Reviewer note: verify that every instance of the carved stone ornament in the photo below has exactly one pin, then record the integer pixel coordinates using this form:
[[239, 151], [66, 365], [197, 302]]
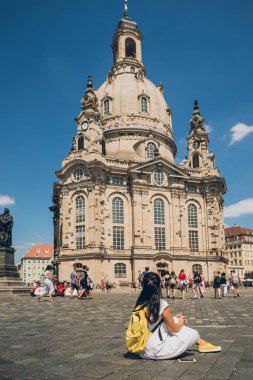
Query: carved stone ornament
[[140, 75]]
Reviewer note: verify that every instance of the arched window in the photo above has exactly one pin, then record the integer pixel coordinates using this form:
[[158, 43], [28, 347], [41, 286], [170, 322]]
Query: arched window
[[159, 217], [193, 225], [192, 216], [130, 48], [144, 104], [120, 270], [132, 69], [80, 209], [197, 268], [195, 160], [117, 210], [80, 144], [151, 147], [106, 107], [118, 218]]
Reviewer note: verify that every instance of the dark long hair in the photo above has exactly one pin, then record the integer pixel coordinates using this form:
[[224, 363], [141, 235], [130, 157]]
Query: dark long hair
[[150, 296]]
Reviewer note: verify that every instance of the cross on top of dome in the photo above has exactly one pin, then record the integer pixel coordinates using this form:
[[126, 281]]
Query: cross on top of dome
[[125, 9]]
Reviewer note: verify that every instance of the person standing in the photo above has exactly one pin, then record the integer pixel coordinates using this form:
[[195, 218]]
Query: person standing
[[143, 274], [73, 281], [173, 283], [167, 283], [235, 282], [223, 284], [216, 285], [182, 283], [84, 283], [48, 286], [196, 281]]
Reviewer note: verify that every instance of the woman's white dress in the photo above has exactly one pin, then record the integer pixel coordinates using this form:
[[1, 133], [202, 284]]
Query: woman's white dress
[[47, 284], [172, 344]]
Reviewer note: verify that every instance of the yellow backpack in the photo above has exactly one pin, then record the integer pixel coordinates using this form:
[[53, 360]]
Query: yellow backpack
[[137, 333]]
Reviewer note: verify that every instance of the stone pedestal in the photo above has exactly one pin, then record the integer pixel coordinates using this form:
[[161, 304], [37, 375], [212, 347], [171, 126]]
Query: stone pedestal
[[10, 281]]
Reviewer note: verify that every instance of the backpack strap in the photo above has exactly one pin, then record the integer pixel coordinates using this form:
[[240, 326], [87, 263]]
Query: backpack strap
[[159, 331]]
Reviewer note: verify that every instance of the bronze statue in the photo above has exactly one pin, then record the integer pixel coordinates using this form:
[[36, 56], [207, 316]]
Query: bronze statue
[[6, 224]]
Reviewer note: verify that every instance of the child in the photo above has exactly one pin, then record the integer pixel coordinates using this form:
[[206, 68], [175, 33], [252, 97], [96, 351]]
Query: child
[[172, 338]]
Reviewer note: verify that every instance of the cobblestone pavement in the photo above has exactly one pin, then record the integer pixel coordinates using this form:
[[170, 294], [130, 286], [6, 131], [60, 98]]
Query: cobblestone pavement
[[72, 339]]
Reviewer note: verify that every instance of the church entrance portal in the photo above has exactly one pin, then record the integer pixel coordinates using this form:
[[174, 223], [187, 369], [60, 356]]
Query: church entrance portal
[[162, 267]]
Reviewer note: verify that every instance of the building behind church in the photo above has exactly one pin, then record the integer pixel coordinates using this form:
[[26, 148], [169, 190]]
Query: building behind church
[[121, 202]]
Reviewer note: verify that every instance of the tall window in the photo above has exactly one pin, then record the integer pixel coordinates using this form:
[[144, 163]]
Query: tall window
[[151, 147], [193, 228], [159, 222], [80, 209], [197, 268], [103, 147], [144, 104], [195, 160], [130, 48], [106, 107], [80, 237], [117, 210], [80, 144], [159, 211], [120, 270], [118, 237], [118, 218], [192, 216], [193, 241]]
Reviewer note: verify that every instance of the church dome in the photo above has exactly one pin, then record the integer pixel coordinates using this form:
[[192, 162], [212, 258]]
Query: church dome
[[133, 110], [133, 101]]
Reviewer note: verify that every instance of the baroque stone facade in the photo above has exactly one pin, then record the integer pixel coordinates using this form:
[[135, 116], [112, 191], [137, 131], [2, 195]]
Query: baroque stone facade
[[121, 202]]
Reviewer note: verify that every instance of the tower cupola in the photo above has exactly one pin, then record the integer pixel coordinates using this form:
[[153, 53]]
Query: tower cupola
[[126, 44]]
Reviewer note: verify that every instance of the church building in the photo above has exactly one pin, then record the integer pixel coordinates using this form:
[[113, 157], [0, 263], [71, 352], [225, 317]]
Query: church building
[[121, 202]]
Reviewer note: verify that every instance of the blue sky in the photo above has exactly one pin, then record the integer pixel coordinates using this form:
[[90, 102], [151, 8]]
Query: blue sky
[[197, 48]]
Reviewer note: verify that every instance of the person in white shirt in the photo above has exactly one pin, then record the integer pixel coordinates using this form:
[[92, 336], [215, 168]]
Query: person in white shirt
[[48, 287], [172, 338]]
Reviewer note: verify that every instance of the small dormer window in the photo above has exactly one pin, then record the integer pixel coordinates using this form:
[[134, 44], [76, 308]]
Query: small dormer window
[[45, 255], [106, 107], [144, 104], [36, 254], [38, 250], [151, 148]]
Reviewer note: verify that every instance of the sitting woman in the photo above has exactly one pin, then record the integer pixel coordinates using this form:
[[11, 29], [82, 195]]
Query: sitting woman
[[172, 338]]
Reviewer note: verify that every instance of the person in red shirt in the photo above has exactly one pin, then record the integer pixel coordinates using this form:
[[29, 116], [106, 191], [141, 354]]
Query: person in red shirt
[[182, 283]]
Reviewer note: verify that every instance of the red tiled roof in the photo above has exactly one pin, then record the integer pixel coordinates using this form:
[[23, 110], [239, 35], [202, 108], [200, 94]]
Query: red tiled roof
[[237, 231], [39, 251]]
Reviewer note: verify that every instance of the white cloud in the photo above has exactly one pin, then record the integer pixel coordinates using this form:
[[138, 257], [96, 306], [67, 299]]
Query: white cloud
[[239, 132], [226, 225], [208, 128], [6, 200], [24, 244], [244, 207]]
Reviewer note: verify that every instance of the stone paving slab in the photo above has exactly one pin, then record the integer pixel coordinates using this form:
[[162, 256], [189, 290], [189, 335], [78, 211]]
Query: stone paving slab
[[72, 339]]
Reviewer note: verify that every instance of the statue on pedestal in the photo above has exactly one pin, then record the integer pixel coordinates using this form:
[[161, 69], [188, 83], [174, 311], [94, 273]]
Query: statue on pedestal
[[6, 224]]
